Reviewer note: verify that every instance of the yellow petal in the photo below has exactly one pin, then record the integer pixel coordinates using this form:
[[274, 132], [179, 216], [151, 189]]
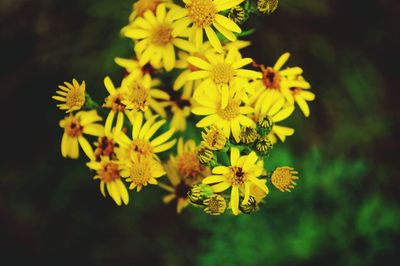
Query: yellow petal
[[227, 23], [235, 200]]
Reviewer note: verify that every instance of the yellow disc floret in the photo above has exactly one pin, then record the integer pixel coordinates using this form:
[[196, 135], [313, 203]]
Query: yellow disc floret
[[202, 12], [283, 178]]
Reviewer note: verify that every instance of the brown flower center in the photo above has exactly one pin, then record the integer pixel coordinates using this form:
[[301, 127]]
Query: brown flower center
[[73, 127], [188, 165], [142, 147], [271, 78], [109, 172], [237, 177]]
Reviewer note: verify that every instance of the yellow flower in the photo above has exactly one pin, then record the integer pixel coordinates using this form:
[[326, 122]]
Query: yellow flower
[[215, 205], [184, 171], [277, 112], [237, 14], [142, 142], [221, 72], [180, 105], [105, 147], [141, 171], [301, 96], [133, 95], [108, 171], [283, 178], [72, 96], [276, 83], [240, 175], [214, 138], [203, 15], [155, 40], [75, 126], [224, 110], [142, 95], [141, 6]]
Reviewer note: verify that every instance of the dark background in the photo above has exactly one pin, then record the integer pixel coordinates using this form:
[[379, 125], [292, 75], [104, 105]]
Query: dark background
[[345, 210]]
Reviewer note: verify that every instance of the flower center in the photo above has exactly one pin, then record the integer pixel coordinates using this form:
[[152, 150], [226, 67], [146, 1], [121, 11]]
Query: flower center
[[216, 204], [105, 147], [142, 6], [142, 147], [109, 172], [75, 98], [214, 138], [161, 35], [114, 102], [202, 12], [140, 173], [188, 165], [137, 95], [72, 127], [222, 73], [237, 177], [283, 178], [231, 111], [271, 78]]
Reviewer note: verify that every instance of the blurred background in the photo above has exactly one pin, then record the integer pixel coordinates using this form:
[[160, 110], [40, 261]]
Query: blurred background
[[345, 210]]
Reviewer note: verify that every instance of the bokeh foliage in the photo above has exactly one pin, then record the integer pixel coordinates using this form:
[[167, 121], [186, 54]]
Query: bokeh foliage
[[345, 210]]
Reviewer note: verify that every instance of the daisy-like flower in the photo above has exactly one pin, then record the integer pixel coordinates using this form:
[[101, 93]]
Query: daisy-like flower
[[275, 83], [184, 171], [302, 96], [133, 95], [141, 171], [239, 176], [155, 40], [283, 178], [221, 72], [142, 95], [108, 172], [142, 142], [277, 112], [72, 96], [83, 122], [203, 16], [228, 118]]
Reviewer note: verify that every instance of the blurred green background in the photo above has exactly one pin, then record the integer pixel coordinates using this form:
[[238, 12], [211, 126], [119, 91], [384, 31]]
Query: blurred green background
[[345, 210]]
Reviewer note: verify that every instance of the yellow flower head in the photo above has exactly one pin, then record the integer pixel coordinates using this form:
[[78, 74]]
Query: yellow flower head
[[183, 170], [283, 178], [142, 143], [72, 96], [141, 171], [240, 175], [205, 154], [108, 172], [214, 138], [83, 122], [277, 112], [155, 42], [221, 72], [223, 109], [200, 16], [215, 205], [276, 83]]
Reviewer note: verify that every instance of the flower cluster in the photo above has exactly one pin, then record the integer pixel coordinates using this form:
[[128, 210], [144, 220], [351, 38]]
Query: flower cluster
[[188, 69]]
